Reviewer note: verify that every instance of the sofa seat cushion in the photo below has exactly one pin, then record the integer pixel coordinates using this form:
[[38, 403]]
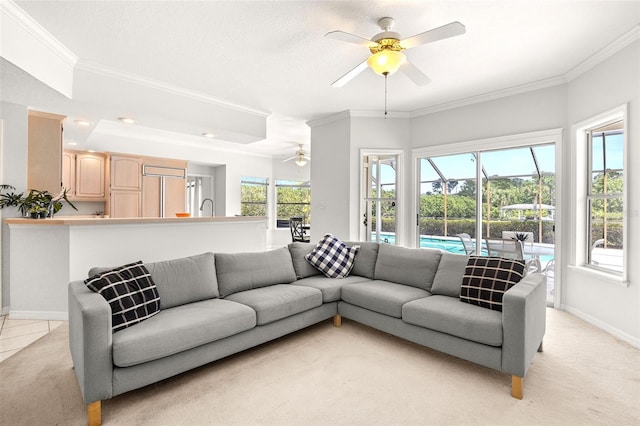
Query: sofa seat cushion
[[180, 328], [381, 296], [330, 288], [449, 315], [278, 301]]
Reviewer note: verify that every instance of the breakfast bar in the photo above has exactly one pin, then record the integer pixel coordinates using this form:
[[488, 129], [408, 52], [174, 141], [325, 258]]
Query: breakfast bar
[[46, 254]]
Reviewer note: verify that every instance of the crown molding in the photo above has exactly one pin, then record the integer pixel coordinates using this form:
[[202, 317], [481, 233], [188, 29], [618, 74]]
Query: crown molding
[[19, 16], [350, 113], [379, 114], [612, 48], [490, 96], [105, 71], [329, 118]]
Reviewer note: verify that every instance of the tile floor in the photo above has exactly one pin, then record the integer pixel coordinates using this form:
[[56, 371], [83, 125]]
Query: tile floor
[[18, 334]]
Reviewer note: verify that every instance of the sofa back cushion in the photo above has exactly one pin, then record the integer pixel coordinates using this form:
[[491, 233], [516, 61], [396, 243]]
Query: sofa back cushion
[[303, 268], [448, 279], [363, 266], [181, 281], [365, 263], [414, 267], [245, 271], [185, 280]]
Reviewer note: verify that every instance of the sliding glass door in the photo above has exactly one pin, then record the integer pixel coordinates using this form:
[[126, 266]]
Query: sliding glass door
[[447, 201], [516, 204]]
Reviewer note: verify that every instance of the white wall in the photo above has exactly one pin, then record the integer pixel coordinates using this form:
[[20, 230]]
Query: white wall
[[331, 177], [527, 112], [603, 302]]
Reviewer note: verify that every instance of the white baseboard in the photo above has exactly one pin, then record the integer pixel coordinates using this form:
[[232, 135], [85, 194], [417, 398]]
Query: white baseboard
[[39, 315], [633, 341]]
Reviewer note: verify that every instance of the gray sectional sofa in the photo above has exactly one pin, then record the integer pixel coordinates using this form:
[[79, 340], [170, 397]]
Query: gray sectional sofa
[[215, 305]]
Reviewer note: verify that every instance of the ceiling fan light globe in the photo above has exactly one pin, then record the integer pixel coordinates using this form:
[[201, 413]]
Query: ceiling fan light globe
[[386, 62], [301, 162]]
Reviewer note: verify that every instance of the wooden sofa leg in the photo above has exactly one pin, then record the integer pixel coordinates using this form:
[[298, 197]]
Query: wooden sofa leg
[[516, 386], [94, 413], [337, 320], [540, 347]]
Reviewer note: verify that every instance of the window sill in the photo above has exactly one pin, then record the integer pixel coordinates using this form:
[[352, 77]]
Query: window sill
[[609, 278]]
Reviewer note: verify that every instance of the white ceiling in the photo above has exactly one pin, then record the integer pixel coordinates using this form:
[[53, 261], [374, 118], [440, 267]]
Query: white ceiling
[[272, 56]]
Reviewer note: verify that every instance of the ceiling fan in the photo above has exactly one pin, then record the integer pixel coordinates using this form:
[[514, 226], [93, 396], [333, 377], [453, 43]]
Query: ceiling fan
[[301, 157], [386, 50]]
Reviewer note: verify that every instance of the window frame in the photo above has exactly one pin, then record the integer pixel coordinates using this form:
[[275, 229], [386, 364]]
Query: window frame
[[581, 170]]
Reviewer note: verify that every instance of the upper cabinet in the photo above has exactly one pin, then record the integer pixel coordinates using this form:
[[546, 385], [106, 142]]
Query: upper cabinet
[[44, 158], [126, 173], [83, 175]]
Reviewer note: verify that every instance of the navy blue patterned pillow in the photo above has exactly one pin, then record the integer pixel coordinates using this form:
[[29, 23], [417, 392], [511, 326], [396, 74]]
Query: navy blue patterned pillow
[[332, 257], [486, 279], [130, 291]]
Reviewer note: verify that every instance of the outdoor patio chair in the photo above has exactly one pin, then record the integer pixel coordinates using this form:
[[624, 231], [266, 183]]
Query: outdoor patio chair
[[511, 249], [467, 243], [298, 231], [596, 243], [504, 247]]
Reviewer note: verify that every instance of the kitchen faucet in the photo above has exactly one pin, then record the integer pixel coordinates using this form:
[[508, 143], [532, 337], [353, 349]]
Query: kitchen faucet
[[204, 201]]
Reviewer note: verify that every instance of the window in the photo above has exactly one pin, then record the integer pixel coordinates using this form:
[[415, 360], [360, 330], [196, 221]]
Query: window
[[293, 199], [605, 197], [253, 196]]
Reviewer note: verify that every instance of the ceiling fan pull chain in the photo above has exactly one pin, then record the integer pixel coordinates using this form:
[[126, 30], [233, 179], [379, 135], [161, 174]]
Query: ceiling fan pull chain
[[385, 95]]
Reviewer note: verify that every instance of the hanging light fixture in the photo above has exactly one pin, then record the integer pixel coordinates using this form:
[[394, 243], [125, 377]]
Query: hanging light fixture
[[386, 58], [301, 161], [386, 62]]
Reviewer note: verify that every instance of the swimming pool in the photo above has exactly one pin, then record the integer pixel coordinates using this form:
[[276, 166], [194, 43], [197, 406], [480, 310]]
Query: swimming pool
[[452, 245]]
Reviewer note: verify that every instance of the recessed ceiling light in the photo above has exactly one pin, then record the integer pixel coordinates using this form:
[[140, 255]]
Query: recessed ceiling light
[[83, 123], [127, 120], [209, 135], [71, 143]]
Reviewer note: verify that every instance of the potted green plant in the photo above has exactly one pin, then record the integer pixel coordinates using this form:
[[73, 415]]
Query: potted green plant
[[36, 204]]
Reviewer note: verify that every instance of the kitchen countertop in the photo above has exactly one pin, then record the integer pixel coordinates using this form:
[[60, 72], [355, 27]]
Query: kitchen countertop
[[95, 220]]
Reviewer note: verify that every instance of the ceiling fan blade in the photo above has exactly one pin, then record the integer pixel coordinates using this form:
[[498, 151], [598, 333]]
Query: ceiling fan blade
[[449, 30], [350, 75], [290, 158], [414, 74], [350, 38]]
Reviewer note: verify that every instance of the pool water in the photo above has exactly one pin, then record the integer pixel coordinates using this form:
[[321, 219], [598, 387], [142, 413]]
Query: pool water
[[447, 244], [451, 244]]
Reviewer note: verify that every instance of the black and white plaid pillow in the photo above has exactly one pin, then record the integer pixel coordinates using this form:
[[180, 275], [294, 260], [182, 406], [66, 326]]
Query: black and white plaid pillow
[[131, 293], [486, 279], [332, 257]]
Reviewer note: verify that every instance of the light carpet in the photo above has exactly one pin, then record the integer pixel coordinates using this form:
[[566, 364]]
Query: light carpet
[[353, 375]]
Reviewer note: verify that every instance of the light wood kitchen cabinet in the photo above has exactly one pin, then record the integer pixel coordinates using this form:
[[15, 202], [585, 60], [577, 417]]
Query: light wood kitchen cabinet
[[125, 195], [44, 156], [146, 186], [125, 173], [83, 175], [125, 204], [163, 187]]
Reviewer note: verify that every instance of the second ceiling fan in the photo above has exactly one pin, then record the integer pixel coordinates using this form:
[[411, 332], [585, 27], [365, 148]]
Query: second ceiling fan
[[386, 50]]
